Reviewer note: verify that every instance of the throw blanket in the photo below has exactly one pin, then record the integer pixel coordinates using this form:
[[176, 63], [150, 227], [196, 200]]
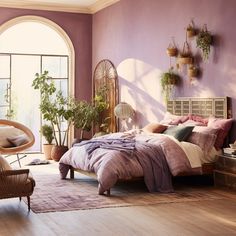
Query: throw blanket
[[156, 172], [113, 157]]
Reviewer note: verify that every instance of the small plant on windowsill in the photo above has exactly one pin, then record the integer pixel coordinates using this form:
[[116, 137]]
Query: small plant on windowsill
[[169, 80]]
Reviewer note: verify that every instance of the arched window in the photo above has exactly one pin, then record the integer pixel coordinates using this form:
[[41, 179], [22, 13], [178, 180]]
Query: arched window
[[30, 45]]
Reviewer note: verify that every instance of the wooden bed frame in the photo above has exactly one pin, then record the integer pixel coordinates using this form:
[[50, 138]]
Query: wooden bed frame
[[218, 107]]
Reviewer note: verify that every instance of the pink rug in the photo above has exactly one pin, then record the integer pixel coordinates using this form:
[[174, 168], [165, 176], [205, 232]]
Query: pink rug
[[53, 194]]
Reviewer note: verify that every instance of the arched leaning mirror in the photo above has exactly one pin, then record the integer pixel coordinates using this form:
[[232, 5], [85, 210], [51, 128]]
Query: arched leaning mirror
[[105, 75]]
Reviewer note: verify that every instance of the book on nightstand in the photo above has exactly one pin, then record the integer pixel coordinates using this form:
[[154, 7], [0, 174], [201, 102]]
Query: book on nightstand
[[229, 151]]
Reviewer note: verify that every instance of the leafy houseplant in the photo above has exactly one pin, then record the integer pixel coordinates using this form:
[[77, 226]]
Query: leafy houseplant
[[168, 81], [86, 114], [204, 41], [55, 108], [47, 132]]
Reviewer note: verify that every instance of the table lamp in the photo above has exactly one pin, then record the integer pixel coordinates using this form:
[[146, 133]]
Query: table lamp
[[123, 111]]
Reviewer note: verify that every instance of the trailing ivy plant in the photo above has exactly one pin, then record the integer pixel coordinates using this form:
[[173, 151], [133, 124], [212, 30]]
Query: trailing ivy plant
[[204, 41], [169, 79]]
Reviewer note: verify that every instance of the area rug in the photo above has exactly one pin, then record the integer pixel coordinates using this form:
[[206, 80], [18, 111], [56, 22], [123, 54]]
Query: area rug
[[52, 194]]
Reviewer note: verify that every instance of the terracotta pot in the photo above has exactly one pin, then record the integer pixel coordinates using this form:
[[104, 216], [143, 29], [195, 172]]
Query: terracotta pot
[[58, 151], [47, 149]]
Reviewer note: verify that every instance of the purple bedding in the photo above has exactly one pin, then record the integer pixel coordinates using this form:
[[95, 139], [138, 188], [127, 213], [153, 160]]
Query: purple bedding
[[121, 156]]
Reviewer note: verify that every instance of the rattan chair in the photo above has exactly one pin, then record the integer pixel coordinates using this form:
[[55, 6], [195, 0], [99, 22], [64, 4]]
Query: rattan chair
[[16, 183], [19, 149]]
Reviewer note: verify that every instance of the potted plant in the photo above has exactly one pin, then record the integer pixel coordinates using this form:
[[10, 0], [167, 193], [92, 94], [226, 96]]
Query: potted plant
[[47, 132], [88, 114], [191, 31], [168, 81], [185, 56], [57, 110], [204, 41]]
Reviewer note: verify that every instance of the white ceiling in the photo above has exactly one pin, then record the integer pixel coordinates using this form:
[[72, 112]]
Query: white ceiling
[[82, 6]]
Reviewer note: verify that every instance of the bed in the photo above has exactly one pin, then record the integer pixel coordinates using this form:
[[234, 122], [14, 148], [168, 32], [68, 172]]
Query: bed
[[133, 154]]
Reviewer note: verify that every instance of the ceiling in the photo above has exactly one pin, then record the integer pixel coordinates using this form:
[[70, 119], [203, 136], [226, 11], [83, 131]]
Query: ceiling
[[78, 6]]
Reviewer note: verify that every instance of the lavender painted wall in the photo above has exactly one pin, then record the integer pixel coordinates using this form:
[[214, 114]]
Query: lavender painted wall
[[134, 35], [79, 29]]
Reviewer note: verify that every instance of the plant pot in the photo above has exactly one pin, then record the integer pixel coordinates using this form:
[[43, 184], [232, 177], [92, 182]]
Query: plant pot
[[185, 60], [172, 52], [192, 72], [58, 151], [47, 149], [191, 33]]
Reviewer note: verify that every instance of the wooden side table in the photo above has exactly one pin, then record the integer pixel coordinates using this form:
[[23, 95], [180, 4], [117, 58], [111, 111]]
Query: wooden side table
[[225, 171]]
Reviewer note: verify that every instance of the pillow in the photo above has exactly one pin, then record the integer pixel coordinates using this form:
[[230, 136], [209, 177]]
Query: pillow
[[224, 126], [180, 132], [19, 140], [199, 119], [193, 123], [4, 165], [205, 130], [171, 119], [204, 140], [8, 132], [154, 128]]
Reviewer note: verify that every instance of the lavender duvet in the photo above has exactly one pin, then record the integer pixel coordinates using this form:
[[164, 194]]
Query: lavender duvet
[[156, 157]]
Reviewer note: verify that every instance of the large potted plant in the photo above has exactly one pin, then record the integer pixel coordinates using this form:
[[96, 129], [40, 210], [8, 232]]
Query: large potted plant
[[47, 132], [57, 110]]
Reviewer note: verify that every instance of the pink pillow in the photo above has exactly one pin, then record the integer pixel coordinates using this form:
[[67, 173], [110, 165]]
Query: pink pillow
[[197, 118], [205, 130], [224, 126], [204, 140], [193, 123], [171, 119]]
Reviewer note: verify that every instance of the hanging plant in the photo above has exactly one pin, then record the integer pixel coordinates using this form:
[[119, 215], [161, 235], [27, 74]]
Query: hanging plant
[[168, 80], [172, 50], [191, 30], [185, 56], [204, 41]]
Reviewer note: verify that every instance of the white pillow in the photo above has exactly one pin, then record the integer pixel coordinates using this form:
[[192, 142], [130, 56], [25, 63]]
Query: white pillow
[[8, 132], [4, 165]]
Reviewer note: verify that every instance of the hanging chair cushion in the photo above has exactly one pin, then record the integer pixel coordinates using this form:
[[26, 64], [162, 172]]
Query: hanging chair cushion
[[7, 132], [18, 140]]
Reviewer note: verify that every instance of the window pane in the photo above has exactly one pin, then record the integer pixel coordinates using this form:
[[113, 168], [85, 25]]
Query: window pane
[[4, 83], [61, 84], [3, 112], [56, 66], [4, 66]]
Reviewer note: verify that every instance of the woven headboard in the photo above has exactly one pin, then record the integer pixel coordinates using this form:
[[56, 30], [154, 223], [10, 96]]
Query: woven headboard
[[217, 106]]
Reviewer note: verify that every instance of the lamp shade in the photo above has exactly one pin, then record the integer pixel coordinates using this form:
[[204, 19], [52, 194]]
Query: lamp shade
[[123, 111]]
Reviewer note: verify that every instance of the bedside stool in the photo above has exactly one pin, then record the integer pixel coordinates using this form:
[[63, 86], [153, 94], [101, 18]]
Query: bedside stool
[[225, 171]]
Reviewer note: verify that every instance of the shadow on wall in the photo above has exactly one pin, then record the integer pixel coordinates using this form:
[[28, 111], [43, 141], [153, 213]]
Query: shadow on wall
[[139, 85]]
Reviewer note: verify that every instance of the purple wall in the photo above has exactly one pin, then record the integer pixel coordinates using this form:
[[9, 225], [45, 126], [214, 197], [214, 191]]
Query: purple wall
[[135, 35], [79, 29]]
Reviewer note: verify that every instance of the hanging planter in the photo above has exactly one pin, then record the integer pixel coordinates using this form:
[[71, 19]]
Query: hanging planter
[[172, 50], [204, 41], [192, 71], [168, 81], [185, 56], [190, 31]]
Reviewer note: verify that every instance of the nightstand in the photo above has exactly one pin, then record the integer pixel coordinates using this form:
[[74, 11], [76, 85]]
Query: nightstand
[[225, 171]]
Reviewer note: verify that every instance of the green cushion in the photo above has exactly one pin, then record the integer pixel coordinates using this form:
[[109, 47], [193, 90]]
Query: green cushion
[[180, 132]]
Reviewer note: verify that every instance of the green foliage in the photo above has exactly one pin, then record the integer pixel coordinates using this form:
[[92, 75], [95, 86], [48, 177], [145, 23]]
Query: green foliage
[[54, 107], [204, 41], [87, 114], [168, 81], [47, 132]]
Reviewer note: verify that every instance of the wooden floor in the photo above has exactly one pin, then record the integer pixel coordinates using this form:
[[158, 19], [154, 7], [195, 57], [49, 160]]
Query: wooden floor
[[214, 217]]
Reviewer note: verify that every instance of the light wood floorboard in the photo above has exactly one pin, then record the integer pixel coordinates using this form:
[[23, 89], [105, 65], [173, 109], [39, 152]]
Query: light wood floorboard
[[202, 218]]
